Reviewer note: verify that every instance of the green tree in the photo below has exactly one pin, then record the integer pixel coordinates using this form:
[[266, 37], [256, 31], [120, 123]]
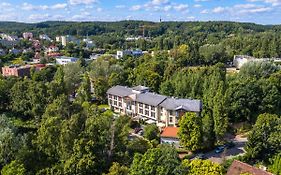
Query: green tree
[[14, 168], [84, 91], [265, 138], [275, 166], [162, 160], [151, 132], [190, 131], [117, 169], [202, 167]]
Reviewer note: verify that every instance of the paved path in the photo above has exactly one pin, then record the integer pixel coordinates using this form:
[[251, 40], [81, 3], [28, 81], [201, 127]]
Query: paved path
[[238, 149]]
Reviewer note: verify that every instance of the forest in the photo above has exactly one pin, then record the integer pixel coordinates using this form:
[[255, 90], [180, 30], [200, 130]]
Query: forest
[[43, 131]]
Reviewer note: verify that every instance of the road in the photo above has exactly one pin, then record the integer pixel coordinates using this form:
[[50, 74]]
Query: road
[[240, 143]]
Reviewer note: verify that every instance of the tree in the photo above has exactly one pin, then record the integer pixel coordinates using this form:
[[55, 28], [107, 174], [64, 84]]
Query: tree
[[265, 138], [162, 160], [117, 169], [14, 168], [72, 76], [84, 91], [201, 167], [275, 166], [190, 131], [151, 132]]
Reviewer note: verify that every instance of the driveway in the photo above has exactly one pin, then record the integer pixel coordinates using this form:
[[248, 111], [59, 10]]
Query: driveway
[[238, 149]]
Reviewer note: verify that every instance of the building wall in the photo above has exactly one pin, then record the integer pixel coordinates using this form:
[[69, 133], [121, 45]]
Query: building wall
[[156, 113], [18, 72]]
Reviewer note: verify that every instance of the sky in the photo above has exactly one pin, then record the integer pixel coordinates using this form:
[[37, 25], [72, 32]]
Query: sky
[[31, 11]]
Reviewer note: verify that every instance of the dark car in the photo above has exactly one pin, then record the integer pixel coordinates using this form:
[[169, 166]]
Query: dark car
[[219, 149]]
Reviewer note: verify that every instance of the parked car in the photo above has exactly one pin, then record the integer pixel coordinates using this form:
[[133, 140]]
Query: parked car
[[219, 149]]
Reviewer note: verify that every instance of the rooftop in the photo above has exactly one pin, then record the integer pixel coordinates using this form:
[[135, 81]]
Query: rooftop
[[171, 132], [238, 168]]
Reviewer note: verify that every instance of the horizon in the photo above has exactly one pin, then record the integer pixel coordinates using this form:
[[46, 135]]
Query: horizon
[[264, 12]]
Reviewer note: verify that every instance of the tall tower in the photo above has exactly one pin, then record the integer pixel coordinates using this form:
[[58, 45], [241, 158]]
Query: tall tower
[[160, 19]]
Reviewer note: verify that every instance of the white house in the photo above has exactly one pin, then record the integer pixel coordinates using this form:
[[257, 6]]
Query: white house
[[169, 135], [63, 60], [123, 53]]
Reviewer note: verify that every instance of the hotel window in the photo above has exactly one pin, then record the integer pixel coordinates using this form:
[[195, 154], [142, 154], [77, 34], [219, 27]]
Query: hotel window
[[115, 103], [152, 108], [141, 105], [141, 111], [147, 112], [171, 120], [120, 98], [109, 96], [153, 114], [115, 97], [146, 106], [120, 104], [110, 102]]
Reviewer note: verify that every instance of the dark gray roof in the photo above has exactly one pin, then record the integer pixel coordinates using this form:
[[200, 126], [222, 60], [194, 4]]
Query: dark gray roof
[[150, 98], [185, 104], [121, 91], [140, 88]]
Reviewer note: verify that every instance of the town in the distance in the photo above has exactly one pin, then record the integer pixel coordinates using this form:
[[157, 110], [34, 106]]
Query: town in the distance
[[140, 98]]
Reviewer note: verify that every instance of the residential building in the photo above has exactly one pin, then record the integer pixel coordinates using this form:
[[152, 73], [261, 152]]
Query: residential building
[[45, 37], [140, 103], [238, 168], [169, 135], [240, 60], [66, 39], [65, 60], [9, 37], [123, 53], [27, 35], [16, 70]]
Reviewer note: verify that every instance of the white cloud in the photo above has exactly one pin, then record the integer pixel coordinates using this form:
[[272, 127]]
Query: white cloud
[[219, 10], [59, 6], [204, 11], [29, 7], [85, 2], [272, 2], [99, 9], [159, 2], [136, 7], [197, 5], [39, 17], [181, 7], [120, 6]]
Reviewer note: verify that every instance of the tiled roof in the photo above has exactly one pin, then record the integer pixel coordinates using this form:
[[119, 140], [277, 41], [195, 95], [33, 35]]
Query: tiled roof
[[170, 132], [238, 168]]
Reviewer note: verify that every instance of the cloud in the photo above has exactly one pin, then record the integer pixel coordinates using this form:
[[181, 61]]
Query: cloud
[[204, 11], [29, 7], [197, 5], [272, 2], [85, 2], [219, 10], [120, 6], [39, 17], [59, 6], [136, 7], [181, 7], [159, 2]]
